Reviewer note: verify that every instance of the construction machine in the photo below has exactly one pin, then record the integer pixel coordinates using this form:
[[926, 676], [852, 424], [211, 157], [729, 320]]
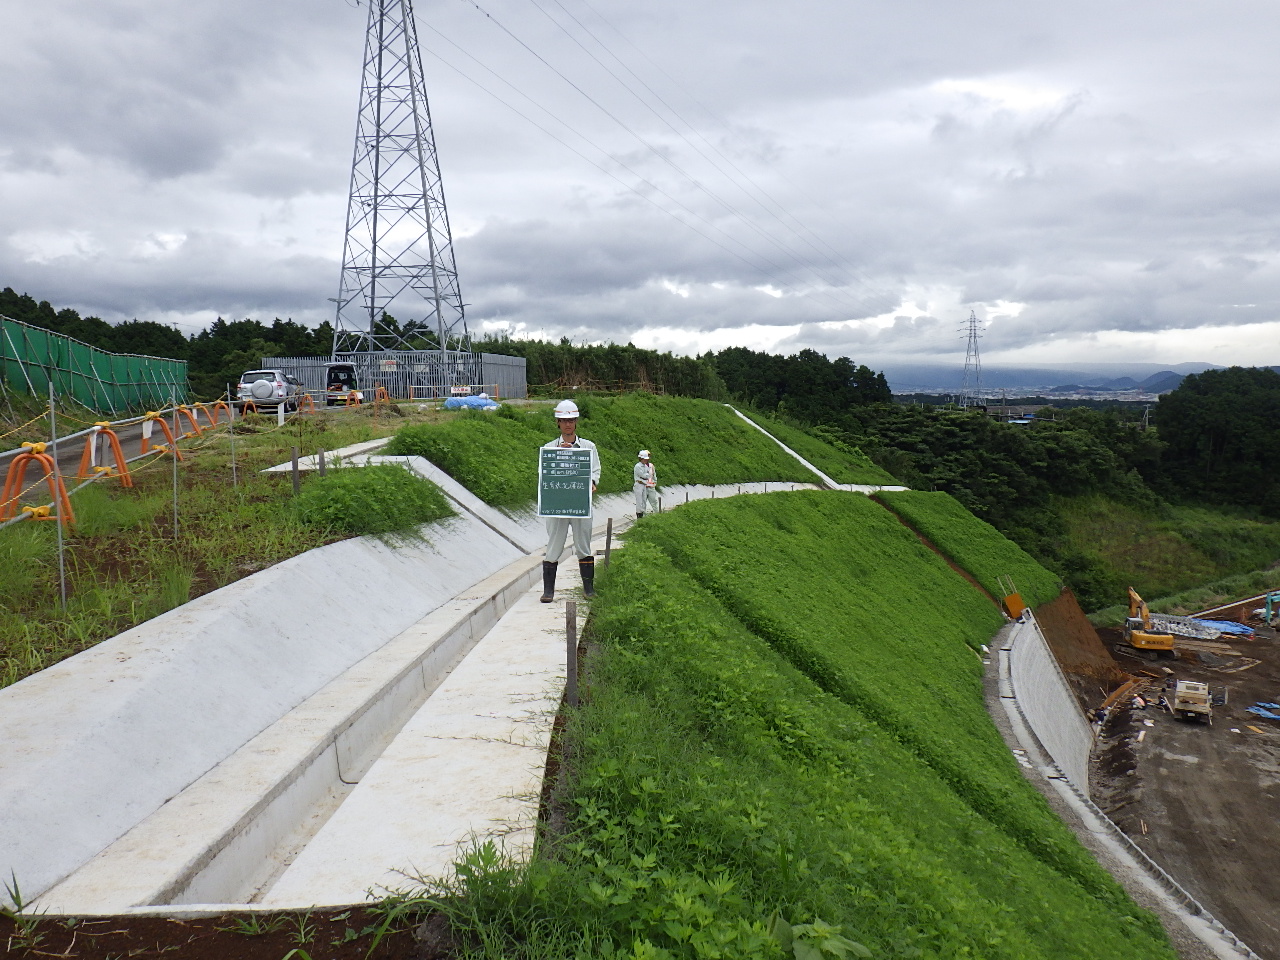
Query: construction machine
[[1139, 638], [1191, 701]]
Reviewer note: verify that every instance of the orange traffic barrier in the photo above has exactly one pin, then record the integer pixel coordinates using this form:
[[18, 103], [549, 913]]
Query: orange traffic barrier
[[211, 413], [89, 459], [153, 417], [244, 407], [353, 398], [185, 411], [34, 453], [310, 404]]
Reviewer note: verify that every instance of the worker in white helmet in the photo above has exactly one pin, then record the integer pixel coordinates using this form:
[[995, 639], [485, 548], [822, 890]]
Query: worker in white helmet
[[646, 485], [558, 527]]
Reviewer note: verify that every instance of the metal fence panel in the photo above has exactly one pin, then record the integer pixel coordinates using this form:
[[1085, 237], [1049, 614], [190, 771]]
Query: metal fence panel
[[416, 374]]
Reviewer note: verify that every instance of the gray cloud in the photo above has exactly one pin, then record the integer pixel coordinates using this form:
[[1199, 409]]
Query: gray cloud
[[1074, 175]]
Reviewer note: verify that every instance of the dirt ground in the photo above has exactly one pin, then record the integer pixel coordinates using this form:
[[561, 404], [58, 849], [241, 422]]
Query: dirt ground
[[343, 934], [1199, 799]]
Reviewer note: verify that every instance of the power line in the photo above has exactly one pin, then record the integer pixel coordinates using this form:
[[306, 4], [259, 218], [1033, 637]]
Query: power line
[[649, 146], [644, 180]]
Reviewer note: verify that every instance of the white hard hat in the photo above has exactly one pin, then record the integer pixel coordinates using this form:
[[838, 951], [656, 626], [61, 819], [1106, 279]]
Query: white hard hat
[[566, 410], [644, 454]]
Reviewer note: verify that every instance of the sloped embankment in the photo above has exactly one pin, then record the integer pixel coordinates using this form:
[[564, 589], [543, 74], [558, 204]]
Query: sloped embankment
[[692, 441], [982, 551], [784, 719]]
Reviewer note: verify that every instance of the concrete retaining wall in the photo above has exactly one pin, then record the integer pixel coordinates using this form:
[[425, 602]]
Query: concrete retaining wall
[[1030, 675]]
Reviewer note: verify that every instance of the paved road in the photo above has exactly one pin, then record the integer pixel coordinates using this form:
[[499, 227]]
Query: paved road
[[71, 450]]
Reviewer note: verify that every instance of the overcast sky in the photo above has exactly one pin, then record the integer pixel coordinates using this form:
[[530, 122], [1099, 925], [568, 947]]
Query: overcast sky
[[1096, 181]]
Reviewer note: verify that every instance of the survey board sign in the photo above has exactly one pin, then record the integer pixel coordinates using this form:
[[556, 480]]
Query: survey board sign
[[564, 482]]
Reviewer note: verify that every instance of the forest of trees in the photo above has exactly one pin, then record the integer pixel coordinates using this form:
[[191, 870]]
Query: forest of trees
[[806, 385]]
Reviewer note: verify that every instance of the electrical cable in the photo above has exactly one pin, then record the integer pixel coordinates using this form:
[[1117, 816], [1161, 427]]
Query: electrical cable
[[616, 119], [588, 159], [804, 261]]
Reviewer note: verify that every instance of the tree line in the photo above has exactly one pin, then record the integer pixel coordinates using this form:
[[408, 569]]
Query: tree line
[[1211, 442], [804, 385]]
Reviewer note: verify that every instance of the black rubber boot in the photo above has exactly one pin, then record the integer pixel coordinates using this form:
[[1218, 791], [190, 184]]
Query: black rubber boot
[[548, 581], [587, 567]]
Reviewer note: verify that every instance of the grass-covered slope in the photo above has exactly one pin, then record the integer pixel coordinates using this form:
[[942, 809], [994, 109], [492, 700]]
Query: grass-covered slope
[[692, 441], [972, 544], [783, 727], [825, 450]]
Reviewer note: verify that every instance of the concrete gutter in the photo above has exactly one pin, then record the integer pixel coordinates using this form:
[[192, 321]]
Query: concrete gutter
[[826, 480]]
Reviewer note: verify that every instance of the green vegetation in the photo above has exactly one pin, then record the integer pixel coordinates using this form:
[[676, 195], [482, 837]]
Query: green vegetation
[[124, 564], [783, 742], [975, 546], [491, 455], [823, 447], [1162, 549], [555, 368], [1219, 432], [377, 499], [807, 386], [1214, 594], [693, 441]]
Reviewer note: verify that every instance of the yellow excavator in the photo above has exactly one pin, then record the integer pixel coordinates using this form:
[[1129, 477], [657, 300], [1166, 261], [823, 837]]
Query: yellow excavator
[[1138, 636]]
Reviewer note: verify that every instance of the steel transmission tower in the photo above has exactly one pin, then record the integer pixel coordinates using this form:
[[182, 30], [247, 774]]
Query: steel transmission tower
[[397, 258], [971, 388]]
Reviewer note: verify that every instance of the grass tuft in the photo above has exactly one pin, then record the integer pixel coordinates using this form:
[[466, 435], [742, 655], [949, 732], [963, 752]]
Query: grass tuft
[[381, 499]]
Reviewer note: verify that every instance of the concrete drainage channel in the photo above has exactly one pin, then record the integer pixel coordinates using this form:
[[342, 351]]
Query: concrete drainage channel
[[317, 731]]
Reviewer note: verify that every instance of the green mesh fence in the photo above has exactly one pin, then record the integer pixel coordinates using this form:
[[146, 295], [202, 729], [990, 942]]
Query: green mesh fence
[[105, 382]]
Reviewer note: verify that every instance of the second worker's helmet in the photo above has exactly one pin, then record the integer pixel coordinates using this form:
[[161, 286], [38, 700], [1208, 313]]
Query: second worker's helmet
[[566, 410]]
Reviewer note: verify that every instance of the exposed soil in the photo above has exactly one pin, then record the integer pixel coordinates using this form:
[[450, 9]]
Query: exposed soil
[[338, 934], [1088, 664], [1201, 799]]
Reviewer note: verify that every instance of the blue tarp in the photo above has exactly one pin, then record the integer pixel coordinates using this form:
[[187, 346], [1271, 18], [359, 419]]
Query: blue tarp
[[1228, 626], [1258, 711], [472, 403]]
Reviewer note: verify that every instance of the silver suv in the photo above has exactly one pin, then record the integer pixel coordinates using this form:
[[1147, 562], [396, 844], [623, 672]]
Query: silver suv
[[270, 388]]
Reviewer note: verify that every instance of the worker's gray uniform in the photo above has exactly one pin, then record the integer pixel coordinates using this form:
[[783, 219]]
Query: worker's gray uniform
[[646, 487], [558, 527]]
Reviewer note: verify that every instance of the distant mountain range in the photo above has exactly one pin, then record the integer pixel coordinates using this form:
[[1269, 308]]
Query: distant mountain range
[[1067, 378], [1161, 382]]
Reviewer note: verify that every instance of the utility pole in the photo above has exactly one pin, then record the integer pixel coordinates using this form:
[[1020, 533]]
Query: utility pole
[[397, 258], [971, 388]]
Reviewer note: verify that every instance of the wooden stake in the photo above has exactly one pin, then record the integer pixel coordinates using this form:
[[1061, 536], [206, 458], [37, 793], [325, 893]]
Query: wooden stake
[[571, 652]]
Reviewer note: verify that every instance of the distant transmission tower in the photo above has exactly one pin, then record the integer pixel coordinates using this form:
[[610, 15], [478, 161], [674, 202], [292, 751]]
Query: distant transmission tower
[[971, 388], [397, 258]]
